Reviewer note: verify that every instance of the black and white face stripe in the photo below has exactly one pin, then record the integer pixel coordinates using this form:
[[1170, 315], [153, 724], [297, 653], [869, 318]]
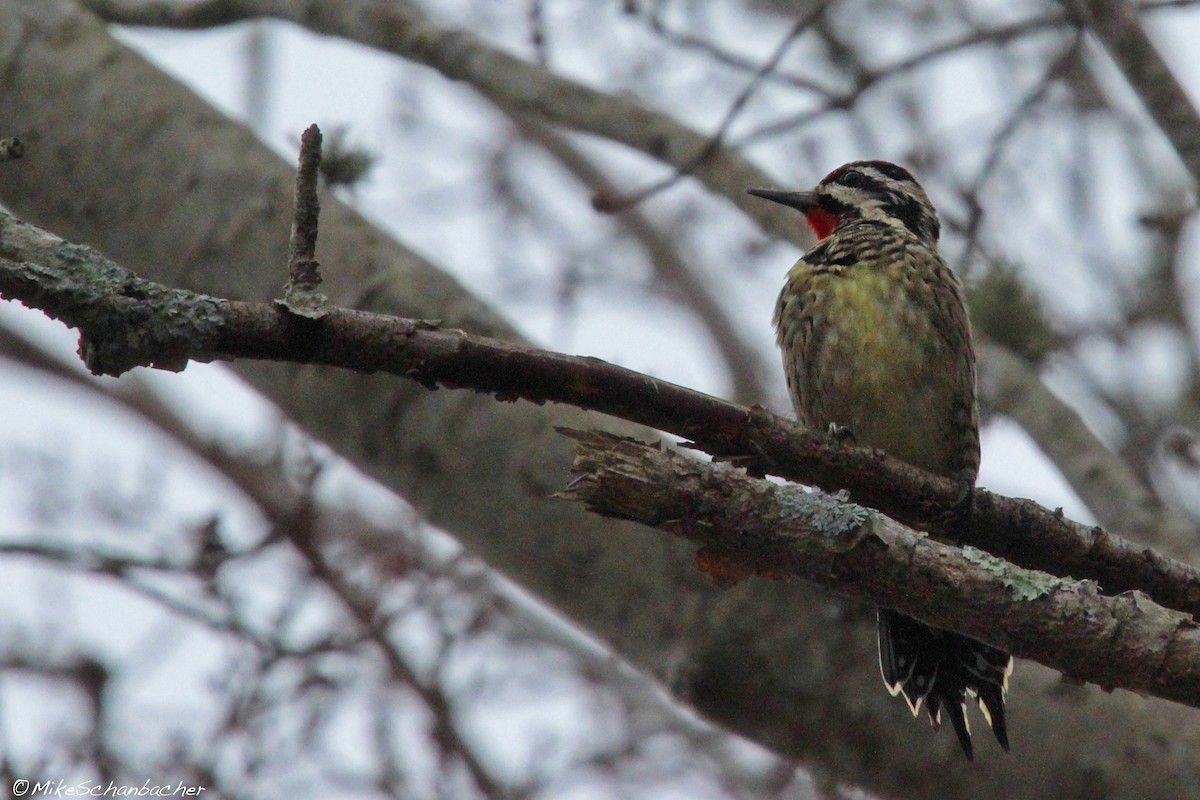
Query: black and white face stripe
[[882, 191]]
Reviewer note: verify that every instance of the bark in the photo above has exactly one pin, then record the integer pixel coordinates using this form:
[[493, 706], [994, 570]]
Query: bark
[[127, 160], [126, 321], [751, 525]]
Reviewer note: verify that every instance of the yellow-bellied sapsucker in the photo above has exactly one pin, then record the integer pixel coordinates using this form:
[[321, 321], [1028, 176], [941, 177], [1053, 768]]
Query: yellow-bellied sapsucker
[[875, 338]]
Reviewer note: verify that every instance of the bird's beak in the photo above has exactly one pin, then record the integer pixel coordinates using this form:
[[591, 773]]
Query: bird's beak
[[801, 201]]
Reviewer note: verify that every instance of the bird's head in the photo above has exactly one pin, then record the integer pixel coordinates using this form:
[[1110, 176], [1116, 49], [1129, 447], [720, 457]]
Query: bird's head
[[863, 190]]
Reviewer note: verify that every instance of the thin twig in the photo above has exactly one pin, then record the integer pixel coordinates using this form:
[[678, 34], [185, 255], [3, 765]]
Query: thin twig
[[743, 362], [716, 140], [1001, 138], [302, 293]]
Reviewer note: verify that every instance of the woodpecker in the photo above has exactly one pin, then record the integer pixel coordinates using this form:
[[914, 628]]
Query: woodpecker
[[877, 346]]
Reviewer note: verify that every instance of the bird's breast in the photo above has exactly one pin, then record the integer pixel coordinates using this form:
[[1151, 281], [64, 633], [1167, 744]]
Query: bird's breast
[[862, 348]]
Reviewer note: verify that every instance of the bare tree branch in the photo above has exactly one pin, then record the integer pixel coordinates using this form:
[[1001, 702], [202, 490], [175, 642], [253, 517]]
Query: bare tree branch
[[324, 531], [513, 84], [1125, 641], [741, 360], [302, 293], [1106, 483], [126, 321], [1117, 24]]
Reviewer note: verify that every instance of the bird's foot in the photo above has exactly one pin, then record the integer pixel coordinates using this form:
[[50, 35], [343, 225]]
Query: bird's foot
[[841, 434]]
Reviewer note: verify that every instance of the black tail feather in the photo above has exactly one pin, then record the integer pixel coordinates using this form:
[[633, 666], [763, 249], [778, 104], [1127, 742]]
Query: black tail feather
[[939, 669]]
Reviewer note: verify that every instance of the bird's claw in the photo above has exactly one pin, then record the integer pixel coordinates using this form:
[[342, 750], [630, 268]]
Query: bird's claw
[[841, 434]]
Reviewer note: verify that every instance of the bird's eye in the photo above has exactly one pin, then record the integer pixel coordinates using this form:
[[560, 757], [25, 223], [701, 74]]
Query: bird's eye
[[852, 178]]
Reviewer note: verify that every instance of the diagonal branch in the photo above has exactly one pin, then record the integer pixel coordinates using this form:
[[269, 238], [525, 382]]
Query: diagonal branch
[[519, 87], [126, 321], [784, 531], [1118, 27], [1107, 484]]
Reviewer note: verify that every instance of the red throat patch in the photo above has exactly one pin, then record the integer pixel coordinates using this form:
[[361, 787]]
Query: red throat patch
[[821, 221]]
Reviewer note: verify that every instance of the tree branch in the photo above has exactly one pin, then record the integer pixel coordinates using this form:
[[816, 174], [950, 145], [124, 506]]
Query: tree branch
[[1109, 487], [741, 359], [784, 531], [513, 84], [126, 321], [1118, 27]]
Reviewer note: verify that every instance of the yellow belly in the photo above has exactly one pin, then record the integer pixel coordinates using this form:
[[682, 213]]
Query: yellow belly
[[873, 360]]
